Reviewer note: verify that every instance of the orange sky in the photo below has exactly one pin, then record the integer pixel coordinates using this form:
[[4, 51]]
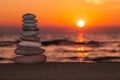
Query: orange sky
[[61, 12]]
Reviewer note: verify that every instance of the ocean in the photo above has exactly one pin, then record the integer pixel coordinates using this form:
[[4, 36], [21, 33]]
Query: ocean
[[88, 48]]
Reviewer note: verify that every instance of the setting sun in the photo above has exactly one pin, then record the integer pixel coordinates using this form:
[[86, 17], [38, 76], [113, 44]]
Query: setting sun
[[81, 23]]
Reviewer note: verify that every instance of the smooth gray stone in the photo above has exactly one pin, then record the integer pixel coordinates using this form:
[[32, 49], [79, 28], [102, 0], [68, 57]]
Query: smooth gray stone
[[28, 16], [30, 21], [30, 28], [32, 38], [29, 44], [29, 33], [30, 59], [29, 24], [29, 50]]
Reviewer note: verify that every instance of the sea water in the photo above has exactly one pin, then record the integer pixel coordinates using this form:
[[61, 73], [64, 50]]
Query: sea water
[[71, 47]]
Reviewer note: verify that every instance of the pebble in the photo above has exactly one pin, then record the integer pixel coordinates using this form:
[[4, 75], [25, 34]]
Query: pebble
[[29, 33], [28, 16], [30, 21], [29, 44], [30, 59], [30, 28], [32, 38], [29, 50], [29, 24]]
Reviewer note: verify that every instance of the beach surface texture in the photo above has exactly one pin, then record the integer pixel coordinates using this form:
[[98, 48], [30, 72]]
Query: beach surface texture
[[60, 71]]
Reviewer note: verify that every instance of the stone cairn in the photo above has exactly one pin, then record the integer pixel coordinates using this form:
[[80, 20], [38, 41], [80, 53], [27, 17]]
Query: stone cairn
[[29, 46]]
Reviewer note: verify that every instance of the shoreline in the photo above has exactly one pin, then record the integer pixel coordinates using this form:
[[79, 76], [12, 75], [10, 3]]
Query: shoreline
[[60, 71]]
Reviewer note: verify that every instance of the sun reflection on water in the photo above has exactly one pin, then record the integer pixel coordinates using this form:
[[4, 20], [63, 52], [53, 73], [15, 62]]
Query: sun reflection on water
[[81, 49], [81, 38]]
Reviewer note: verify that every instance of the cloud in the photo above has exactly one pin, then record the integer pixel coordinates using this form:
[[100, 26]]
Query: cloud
[[94, 1], [101, 1]]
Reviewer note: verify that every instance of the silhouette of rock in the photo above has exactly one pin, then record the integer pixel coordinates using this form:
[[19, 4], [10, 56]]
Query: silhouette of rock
[[29, 46]]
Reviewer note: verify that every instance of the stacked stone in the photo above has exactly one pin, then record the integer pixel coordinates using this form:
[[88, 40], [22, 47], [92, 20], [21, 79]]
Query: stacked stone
[[29, 46]]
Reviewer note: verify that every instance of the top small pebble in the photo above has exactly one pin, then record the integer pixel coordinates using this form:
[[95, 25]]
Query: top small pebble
[[28, 16]]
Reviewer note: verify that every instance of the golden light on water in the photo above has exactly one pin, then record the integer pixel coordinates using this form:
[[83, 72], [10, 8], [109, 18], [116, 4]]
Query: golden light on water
[[81, 38], [82, 54]]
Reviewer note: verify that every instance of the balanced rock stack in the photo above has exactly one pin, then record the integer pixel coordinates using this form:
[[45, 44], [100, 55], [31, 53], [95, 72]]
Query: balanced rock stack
[[29, 46]]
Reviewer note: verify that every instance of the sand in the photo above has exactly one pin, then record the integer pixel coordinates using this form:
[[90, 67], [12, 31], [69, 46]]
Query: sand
[[60, 71]]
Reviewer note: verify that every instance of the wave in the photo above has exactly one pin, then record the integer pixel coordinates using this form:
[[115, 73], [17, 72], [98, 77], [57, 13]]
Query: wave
[[61, 42], [71, 51], [97, 59], [55, 42], [111, 51], [8, 43]]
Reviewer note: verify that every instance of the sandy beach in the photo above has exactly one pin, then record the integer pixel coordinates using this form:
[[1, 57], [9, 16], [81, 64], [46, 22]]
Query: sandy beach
[[60, 71]]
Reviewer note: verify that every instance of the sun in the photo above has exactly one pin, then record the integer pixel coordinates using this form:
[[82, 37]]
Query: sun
[[81, 23]]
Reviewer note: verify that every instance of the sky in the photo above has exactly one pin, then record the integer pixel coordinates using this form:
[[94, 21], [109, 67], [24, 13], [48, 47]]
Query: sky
[[62, 14]]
